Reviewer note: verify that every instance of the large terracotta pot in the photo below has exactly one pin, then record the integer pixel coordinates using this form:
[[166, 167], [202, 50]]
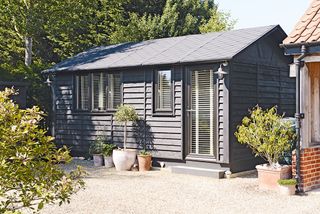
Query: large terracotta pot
[[144, 162], [268, 176], [108, 161], [97, 160], [124, 159]]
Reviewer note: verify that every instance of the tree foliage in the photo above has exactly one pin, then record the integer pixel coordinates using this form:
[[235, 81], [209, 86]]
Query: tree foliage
[[266, 134], [61, 29], [177, 18], [29, 174]]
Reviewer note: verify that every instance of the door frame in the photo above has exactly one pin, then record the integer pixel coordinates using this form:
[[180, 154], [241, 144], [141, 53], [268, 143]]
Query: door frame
[[187, 120]]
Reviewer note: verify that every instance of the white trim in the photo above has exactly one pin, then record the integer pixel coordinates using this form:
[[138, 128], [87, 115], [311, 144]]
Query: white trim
[[310, 59]]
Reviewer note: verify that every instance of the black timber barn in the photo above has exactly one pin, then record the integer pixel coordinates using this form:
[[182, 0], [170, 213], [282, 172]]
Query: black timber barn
[[188, 113]]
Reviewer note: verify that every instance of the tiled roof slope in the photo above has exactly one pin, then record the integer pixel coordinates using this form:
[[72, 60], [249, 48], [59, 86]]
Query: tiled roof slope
[[308, 28], [184, 49]]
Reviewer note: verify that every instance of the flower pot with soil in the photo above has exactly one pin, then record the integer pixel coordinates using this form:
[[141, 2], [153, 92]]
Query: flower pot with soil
[[125, 158], [96, 150], [107, 153], [287, 186], [144, 161], [269, 136]]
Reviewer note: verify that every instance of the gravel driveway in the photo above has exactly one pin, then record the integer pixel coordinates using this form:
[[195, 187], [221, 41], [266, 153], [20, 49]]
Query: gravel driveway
[[108, 191]]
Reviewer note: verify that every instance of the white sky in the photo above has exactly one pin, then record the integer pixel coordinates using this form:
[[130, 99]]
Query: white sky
[[253, 13]]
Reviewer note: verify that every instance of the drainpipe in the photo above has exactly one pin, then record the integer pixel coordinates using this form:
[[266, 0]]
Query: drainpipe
[[299, 116]]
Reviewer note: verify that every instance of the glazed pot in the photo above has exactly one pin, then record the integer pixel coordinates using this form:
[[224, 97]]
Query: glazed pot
[[268, 176], [144, 162], [97, 160], [287, 189], [124, 159], [108, 161]]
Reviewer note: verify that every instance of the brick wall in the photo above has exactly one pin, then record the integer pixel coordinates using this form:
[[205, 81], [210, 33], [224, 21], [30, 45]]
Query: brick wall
[[310, 168]]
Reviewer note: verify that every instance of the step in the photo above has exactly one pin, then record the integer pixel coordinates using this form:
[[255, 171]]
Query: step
[[212, 173]]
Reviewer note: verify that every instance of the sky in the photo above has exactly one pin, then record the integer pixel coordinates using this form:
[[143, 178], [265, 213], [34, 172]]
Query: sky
[[254, 13]]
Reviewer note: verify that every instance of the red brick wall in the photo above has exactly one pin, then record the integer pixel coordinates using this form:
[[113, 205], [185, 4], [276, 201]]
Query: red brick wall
[[310, 168]]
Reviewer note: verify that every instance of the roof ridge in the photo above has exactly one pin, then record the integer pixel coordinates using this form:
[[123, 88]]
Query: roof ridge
[[179, 40], [206, 42]]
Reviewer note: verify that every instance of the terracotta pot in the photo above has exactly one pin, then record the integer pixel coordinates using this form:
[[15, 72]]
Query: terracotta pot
[[124, 159], [108, 161], [287, 189], [144, 162], [268, 176], [97, 160]]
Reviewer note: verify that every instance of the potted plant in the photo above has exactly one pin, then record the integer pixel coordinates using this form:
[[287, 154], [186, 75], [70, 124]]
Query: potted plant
[[287, 186], [269, 136], [96, 150], [144, 160], [107, 153], [124, 158]]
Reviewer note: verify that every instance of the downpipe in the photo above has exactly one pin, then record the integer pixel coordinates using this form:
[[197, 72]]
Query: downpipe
[[299, 116]]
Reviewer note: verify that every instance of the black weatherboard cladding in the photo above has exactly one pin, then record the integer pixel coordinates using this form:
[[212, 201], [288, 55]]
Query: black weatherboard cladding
[[258, 73]]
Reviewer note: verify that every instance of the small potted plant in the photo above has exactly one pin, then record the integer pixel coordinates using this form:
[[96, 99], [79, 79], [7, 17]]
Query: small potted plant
[[269, 136], [287, 186], [125, 158], [144, 160], [96, 150], [107, 153]]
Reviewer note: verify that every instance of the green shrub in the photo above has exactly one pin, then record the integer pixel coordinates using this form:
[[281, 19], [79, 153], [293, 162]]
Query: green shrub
[[266, 134], [125, 114], [287, 182], [144, 153], [108, 149], [29, 174], [96, 148]]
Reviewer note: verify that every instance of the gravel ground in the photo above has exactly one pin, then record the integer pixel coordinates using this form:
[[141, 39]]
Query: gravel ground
[[108, 191]]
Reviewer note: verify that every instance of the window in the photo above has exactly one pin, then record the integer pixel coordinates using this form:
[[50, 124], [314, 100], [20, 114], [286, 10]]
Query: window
[[105, 91], [82, 89], [163, 90], [114, 92], [99, 83]]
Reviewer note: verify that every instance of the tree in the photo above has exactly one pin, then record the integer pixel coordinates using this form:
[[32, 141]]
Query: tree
[[266, 134], [58, 30], [29, 174], [125, 114], [177, 18]]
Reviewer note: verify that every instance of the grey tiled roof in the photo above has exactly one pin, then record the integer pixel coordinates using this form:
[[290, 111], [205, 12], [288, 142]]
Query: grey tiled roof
[[184, 49]]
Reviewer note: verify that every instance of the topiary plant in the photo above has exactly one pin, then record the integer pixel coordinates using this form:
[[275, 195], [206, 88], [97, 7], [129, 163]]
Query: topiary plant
[[30, 176], [125, 114], [266, 134]]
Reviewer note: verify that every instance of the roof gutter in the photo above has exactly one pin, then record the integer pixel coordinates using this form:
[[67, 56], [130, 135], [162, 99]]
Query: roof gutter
[[296, 45]]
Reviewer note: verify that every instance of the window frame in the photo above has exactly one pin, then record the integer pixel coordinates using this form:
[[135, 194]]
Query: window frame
[[91, 92], [76, 99], [155, 110]]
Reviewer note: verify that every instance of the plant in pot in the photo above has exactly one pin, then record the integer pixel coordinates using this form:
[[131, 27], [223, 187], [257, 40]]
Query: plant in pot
[[287, 186], [144, 160], [96, 150], [107, 153], [124, 158], [269, 136]]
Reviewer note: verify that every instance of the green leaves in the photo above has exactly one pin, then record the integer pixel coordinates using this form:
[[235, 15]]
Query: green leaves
[[177, 18], [266, 134], [126, 113], [29, 174]]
